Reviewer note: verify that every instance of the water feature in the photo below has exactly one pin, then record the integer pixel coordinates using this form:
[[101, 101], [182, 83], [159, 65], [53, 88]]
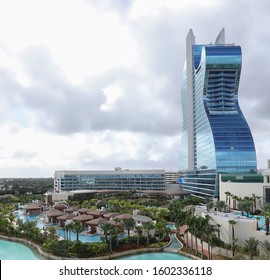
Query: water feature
[[17, 251], [155, 256]]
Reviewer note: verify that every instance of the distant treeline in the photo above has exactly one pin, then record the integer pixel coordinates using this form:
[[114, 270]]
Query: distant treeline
[[25, 185]]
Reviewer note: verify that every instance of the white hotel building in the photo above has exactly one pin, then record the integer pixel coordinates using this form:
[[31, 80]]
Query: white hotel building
[[117, 179]]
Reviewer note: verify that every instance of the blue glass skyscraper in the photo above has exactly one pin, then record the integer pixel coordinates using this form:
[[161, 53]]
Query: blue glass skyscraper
[[215, 136]]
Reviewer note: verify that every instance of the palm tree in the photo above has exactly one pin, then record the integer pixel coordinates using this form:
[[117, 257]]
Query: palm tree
[[220, 205], [105, 227], [201, 225], [254, 198], [266, 246], [117, 221], [251, 246], [129, 224], [218, 226], [209, 203], [209, 235], [148, 226], [233, 223], [138, 231], [228, 199], [52, 232], [77, 228], [266, 211], [67, 228], [111, 231], [235, 199], [162, 214], [245, 205], [190, 228], [160, 228], [257, 226]]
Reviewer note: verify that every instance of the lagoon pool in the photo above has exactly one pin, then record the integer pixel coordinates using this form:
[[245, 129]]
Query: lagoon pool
[[155, 256], [17, 251]]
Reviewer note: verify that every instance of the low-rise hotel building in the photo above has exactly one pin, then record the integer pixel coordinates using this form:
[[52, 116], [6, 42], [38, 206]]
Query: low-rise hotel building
[[117, 179]]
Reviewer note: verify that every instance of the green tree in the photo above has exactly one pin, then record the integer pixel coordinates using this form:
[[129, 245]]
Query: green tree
[[209, 203], [77, 228], [266, 212], [266, 247], [234, 240], [245, 205], [220, 205], [129, 224], [251, 245], [138, 231], [106, 227], [148, 226], [160, 229]]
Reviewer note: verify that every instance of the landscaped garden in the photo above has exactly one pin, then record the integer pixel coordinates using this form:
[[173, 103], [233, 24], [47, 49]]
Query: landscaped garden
[[198, 234]]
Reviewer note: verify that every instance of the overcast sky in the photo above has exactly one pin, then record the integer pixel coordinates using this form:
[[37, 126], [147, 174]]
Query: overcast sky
[[88, 84]]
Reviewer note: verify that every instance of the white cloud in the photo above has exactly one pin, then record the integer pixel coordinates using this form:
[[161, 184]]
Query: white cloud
[[112, 93], [89, 84]]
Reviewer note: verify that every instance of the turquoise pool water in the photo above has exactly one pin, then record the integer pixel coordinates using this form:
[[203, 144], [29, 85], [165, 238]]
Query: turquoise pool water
[[155, 256], [16, 251], [261, 221], [171, 227]]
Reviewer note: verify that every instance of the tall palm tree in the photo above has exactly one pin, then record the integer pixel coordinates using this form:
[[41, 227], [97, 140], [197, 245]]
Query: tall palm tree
[[160, 228], [266, 212], [67, 228], [111, 232], [201, 226], [233, 223], [257, 225], [117, 222], [218, 226], [254, 199], [106, 227], [138, 231], [228, 199], [235, 199], [251, 245], [129, 224], [77, 228], [148, 226]]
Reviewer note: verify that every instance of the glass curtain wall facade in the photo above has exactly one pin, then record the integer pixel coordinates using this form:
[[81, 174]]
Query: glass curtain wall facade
[[215, 137], [109, 180]]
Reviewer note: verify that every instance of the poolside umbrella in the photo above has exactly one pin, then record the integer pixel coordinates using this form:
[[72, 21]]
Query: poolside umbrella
[[60, 206], [64, 218], [96, 222], [34, 208], [54, 214], [111, 215], [71, 209], [83, 210], [125, 216], [96, 213], [83, 218]]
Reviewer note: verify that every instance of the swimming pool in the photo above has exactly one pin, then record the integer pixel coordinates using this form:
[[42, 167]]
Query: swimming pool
[[10, 250], [171, 226], [155, 256]]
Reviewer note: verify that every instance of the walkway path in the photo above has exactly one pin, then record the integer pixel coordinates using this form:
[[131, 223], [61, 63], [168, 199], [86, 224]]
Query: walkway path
[[174, 246], [205, 249]]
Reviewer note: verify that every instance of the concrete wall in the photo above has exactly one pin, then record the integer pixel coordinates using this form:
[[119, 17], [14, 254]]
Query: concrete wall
[[243, 229], [241, 190]]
